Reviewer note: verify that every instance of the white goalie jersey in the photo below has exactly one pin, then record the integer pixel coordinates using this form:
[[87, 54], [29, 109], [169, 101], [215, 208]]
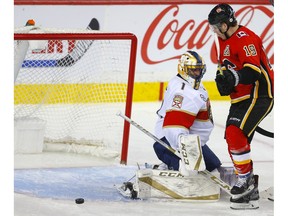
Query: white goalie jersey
[[184, 110]]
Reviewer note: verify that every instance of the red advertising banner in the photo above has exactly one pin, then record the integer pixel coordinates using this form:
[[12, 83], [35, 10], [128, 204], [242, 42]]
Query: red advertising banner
[[171, 28]]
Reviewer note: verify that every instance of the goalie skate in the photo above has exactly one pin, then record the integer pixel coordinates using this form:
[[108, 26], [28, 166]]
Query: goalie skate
[[127, 190]]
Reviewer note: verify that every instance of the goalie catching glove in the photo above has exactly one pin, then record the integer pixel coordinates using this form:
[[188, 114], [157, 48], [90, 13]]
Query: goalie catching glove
[[226, 80]]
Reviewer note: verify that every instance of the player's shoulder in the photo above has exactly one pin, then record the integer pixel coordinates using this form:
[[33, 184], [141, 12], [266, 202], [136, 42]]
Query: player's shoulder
[[200, 95], [181, 85], [245, 29], [244, 37], [203, 94], [244, 33], [176, 82]]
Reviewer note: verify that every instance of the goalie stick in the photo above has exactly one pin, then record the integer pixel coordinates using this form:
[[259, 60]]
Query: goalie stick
[[70, 59], [258, 128]]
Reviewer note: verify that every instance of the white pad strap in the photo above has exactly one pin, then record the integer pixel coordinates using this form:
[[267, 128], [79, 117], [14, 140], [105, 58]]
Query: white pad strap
[[192, 159]]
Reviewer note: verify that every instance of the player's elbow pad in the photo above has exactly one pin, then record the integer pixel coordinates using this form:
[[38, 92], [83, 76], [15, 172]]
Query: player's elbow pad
[[248, 76]]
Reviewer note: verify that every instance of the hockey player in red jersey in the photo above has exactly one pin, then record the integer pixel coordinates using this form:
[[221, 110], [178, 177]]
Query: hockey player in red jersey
[[246, 75], [185, 110]]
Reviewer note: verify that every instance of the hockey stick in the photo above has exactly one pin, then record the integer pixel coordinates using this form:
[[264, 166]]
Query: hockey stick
[[70, 59], [258, 129], [226, 187], [272, 2], [264, 132], [268, 193], [218, 53]]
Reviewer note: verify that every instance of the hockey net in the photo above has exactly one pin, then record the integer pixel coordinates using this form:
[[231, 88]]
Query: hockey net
[[76, 81]]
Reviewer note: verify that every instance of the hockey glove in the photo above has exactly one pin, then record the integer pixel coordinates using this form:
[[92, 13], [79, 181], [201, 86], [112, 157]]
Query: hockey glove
[[226, 81]]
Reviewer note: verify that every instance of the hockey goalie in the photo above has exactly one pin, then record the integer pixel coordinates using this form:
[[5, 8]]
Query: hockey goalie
[[184, 125]]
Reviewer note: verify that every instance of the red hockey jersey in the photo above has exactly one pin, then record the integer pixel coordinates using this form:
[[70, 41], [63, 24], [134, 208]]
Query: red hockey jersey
[[245, 49]]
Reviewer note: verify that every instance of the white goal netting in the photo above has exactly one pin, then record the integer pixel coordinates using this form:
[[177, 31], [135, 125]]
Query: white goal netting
[[76, 81]]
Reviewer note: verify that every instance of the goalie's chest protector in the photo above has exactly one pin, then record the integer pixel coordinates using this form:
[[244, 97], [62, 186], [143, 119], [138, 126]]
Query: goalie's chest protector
[[187, 107]]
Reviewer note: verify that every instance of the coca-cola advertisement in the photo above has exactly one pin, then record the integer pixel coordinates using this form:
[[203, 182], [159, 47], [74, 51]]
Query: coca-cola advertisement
[[164, 31]]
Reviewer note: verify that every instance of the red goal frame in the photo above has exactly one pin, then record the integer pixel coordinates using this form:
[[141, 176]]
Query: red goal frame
[[131, 73]]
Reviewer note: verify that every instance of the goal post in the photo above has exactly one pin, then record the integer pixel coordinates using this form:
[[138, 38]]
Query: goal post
[[77, 84]]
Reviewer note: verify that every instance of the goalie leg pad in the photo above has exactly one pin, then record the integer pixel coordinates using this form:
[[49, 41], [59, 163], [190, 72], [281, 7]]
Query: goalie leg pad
[[170, 184], [143, 189], [191, 154]]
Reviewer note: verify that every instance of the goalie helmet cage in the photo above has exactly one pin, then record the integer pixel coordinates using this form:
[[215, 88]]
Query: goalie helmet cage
[[76, 84]]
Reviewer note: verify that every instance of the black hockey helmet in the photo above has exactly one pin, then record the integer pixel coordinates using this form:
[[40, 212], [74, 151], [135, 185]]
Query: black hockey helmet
[[222, 13]]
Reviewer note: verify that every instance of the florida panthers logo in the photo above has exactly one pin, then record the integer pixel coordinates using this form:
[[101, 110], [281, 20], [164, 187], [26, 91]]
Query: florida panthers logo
[[177, 101]]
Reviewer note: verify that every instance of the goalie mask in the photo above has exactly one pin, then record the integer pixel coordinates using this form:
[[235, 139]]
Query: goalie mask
[[192, 67]]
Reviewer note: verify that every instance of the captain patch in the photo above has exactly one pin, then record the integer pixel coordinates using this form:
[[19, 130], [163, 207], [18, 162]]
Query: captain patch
[[177, 101]]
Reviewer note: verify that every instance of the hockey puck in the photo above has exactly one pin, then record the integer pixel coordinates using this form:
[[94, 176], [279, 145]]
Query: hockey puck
[[79, 201]]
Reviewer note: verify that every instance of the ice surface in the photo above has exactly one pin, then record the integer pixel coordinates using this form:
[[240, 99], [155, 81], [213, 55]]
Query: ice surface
[[48, 183]]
